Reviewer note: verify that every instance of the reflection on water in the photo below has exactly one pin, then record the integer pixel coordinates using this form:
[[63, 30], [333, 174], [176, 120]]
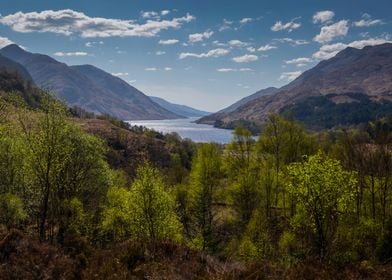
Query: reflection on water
[[187, 129]]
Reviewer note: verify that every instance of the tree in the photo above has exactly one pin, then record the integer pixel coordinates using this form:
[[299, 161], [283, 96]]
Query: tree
[[205, 180], [242, 170], [323, 192], [152, 208]]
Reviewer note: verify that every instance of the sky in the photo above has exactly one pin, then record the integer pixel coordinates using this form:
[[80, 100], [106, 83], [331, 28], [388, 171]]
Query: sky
[[205, 54]]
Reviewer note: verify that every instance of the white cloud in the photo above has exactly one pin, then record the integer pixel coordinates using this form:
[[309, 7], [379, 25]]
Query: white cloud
[[292, 41], [151, 69], [160, 53], [68, 22], [245, 58], [266, 48], [168, 68], [70, 54], [328, 33], [198, 37], [323, 16], [289, 76], [219, 44], [4, 41], [132, 81], [91, 44], [120, 74], [165, 12], [290, 26], [225, 70], [226, 25], [368, 22], [238, 43], [212, 53], [299, 60], [328, 51], [246, 20], [149, 14], [251, 49], [168, 42]]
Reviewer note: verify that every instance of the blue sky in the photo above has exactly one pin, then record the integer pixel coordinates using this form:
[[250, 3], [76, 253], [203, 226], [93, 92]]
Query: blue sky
[[206, 54]]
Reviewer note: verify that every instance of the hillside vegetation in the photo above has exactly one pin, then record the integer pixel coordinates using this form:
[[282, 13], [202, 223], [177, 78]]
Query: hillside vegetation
[[86, 197]]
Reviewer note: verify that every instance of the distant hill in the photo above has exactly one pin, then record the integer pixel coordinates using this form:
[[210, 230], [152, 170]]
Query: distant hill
[[182, 110], [88, 87], [366, 72], [11, 66]]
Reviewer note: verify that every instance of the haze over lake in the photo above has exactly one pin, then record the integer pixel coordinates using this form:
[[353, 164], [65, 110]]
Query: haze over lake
[[186, 128]]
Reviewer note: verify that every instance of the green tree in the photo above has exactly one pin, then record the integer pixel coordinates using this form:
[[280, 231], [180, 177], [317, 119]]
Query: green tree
[[323, 193], [12, 212], [152, 208], [205, 181]]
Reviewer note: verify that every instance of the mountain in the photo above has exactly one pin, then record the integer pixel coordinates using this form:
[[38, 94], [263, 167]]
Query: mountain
[[9, 65], [239, 103], [182, 110], [88, 87], [339, 85]]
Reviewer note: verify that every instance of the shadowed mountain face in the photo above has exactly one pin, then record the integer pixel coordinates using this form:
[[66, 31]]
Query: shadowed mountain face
[[88, 87], [181, 110], [367, 72], [11, 66]]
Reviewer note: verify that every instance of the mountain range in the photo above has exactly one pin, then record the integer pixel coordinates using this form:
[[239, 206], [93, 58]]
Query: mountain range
[[85, 86], [178, 109], [353, 79]]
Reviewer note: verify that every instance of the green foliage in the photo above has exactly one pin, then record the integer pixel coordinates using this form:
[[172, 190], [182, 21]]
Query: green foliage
[[323, 192], [153, 209], [12, 212], [205, 180]]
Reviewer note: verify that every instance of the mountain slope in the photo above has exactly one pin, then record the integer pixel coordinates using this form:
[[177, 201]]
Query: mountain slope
[[87, 87], [181, 110], [9, 65], [239, 103], [366, 71]]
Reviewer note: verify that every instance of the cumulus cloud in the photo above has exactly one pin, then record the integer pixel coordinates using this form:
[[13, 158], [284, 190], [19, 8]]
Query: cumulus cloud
[[289, 76], [198, 37], [212, 53], [251, 49], [167, 68], [151, 69], [225, 70], [165, 12], [328, 33], [245, 58], [246, 20], [266, 48], [238, 43], [4, 41], [120, 74], [328, 51], [323, 16], [226, 25], [291, 41], [69, 22], [160, 53], [299, 62], [70, 54], [367, 21], [168, 42], [290, 26]]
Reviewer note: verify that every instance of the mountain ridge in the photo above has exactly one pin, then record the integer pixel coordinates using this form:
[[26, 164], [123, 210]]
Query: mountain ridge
[[365, 71], [77, 87], [182, 110]]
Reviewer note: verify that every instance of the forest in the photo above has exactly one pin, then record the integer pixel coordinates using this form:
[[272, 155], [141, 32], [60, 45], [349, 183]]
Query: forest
[[120, 202]]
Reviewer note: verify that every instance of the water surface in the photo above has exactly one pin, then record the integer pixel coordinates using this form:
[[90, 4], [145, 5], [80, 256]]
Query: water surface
[[186, 128]]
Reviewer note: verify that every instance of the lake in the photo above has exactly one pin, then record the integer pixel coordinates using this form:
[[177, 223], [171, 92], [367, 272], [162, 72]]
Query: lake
[[186, 128]]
